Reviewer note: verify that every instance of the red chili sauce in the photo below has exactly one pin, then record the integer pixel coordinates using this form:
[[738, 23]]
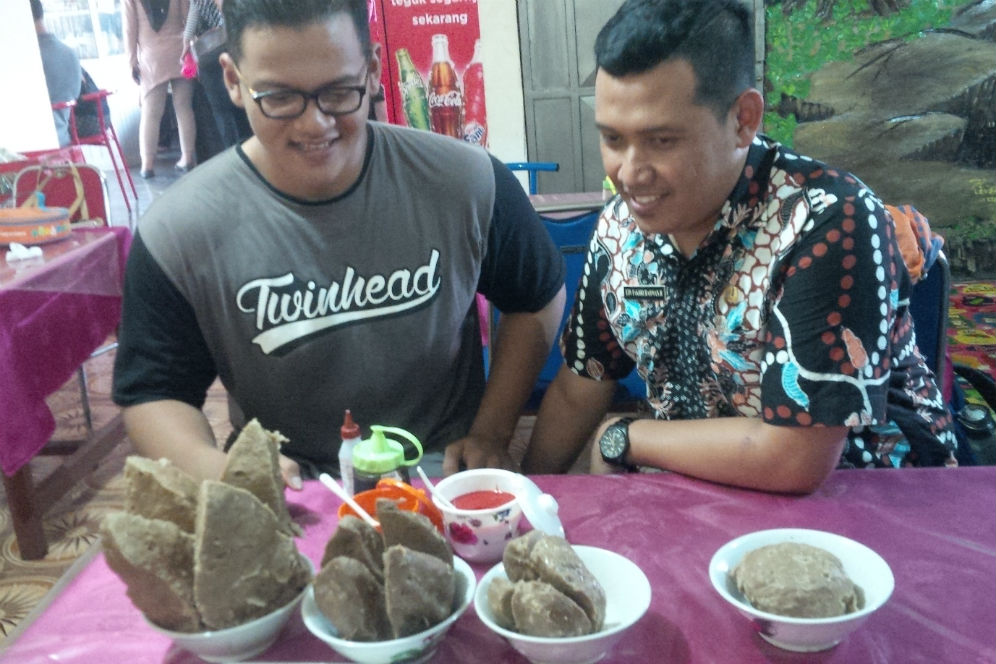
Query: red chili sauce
[[482, 500]]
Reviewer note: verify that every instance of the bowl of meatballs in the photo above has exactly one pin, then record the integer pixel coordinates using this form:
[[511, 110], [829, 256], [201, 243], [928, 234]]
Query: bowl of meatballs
[[555, 602]]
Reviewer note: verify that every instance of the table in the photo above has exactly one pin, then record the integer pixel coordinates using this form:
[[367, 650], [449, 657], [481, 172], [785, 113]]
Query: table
[[583, 201], [54, 311], [935, 527]]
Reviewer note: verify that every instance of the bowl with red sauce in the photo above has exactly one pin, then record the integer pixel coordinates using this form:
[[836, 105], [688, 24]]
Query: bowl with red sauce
[[484, 511]]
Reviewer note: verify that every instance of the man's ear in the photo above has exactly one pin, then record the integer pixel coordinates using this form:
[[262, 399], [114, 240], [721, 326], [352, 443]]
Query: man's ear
[[374, 67], [231, 77], [748, 112]]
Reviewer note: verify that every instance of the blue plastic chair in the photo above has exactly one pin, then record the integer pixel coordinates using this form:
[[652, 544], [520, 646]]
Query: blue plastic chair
[[929, 302], [572, 235], [533, 168], [484, 313]]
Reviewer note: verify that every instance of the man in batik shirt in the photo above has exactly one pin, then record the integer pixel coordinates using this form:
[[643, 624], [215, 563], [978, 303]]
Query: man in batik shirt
[[760, 294]]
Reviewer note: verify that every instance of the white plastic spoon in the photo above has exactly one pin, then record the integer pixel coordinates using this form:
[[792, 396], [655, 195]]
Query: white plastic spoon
[[432, 489], [333, 486]]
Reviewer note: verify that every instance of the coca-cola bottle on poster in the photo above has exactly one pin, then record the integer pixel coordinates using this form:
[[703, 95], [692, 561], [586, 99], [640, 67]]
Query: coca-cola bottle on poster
[[413, 96], [475, 123], [445, 100]]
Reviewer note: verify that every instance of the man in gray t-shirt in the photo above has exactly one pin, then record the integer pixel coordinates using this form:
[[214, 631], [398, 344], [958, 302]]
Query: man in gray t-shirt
[[63, 74], [329, 263]]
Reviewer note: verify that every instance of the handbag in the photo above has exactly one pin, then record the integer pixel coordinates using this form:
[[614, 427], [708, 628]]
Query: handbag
[[209, 44], [33, 225], [60, 186]]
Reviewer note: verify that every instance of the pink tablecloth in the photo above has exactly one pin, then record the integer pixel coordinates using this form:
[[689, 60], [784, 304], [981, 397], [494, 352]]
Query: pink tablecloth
[[54, 311], [935, 527]]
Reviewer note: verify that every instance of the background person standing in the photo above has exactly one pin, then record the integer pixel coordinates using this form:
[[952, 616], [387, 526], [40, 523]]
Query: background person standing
[[154, 43], [205, 15], [62, 71]]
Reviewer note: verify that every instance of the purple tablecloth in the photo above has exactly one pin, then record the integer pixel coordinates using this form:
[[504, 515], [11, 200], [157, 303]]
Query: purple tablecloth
[[54, 311], [935, 527]]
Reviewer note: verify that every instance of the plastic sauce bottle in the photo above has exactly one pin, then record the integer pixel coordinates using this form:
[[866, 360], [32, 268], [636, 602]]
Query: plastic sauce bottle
[[350, 433], [379, 456]]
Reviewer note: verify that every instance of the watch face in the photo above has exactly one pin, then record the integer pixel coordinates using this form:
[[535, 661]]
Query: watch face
[[613, 444]]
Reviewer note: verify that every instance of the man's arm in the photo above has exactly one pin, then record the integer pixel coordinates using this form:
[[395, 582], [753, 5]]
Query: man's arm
[[571, 409], [522, 345], [181, 433], [739, 451], [177, 431], [523, 276], [162, 372]]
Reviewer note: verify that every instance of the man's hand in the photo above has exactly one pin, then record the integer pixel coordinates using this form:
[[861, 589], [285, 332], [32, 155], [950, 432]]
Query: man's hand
[[291, 473], [477, 452]]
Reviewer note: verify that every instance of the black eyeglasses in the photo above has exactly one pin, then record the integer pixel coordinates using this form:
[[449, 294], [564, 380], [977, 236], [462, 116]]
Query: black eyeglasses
[[284, 104]]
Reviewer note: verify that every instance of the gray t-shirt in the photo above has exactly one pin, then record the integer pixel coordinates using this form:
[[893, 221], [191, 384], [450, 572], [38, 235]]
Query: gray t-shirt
[[363, 302], [63, 77]]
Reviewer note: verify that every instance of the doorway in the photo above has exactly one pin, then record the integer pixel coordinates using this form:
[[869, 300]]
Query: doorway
[[556, 42]]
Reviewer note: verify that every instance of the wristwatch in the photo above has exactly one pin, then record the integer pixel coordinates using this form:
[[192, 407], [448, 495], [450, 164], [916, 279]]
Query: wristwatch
[[614, 443]]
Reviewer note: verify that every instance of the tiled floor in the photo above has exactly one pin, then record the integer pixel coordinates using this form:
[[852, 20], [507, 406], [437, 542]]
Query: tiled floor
[[148, 190]]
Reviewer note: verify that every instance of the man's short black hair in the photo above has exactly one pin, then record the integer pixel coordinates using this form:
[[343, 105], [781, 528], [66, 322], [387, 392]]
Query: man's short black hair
[[714, 36], [37, 12], [241, 15]]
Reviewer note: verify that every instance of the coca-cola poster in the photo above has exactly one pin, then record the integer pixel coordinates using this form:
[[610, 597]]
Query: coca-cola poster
[[433, 76]]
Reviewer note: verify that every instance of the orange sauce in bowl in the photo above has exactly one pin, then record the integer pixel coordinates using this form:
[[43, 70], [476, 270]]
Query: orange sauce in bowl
[[482, 500]]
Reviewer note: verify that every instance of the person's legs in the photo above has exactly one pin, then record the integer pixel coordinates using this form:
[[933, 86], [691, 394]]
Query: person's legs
[[152, 112], [211, 78], [183, 105]]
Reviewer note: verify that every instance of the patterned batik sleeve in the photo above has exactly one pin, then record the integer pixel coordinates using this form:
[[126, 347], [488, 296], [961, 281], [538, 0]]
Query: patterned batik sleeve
[[830, 333], [589, 347]]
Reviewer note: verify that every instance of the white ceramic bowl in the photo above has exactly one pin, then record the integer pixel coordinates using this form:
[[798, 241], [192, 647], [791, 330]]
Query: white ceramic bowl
[[627, 598], [410, 649], [237, 643], [865, 568], [480, 535]]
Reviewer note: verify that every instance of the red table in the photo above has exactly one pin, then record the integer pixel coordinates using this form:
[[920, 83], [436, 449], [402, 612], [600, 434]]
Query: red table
[[54, 311], [935, 527]]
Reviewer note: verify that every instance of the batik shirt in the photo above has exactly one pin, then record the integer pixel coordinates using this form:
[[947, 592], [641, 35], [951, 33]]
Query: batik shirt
[[793, 309]]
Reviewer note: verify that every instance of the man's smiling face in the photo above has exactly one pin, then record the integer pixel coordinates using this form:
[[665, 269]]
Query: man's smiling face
[[672, 159], [313, 156]]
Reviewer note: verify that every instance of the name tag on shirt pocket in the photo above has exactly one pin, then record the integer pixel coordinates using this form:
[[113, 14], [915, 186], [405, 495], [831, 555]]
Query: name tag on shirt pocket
[[641, 293]]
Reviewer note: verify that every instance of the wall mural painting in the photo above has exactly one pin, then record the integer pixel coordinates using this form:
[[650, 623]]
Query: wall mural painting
[[903, 94]]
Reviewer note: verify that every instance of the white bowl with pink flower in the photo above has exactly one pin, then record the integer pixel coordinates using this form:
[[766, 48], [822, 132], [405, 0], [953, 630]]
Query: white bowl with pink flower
[[482, 510]]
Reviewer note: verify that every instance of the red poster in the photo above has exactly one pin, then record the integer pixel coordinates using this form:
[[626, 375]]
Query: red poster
[[433, 75]]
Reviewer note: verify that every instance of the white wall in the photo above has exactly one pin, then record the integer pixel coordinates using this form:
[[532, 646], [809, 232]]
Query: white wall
[[25, 114], [28, 124], [502, 79]]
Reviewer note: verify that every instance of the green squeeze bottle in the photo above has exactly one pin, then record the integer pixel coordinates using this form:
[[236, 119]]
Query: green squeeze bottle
[[378, 457]]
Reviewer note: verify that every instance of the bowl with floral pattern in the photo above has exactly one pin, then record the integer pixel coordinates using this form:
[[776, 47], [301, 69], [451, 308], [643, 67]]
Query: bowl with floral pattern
[[481, 511]]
